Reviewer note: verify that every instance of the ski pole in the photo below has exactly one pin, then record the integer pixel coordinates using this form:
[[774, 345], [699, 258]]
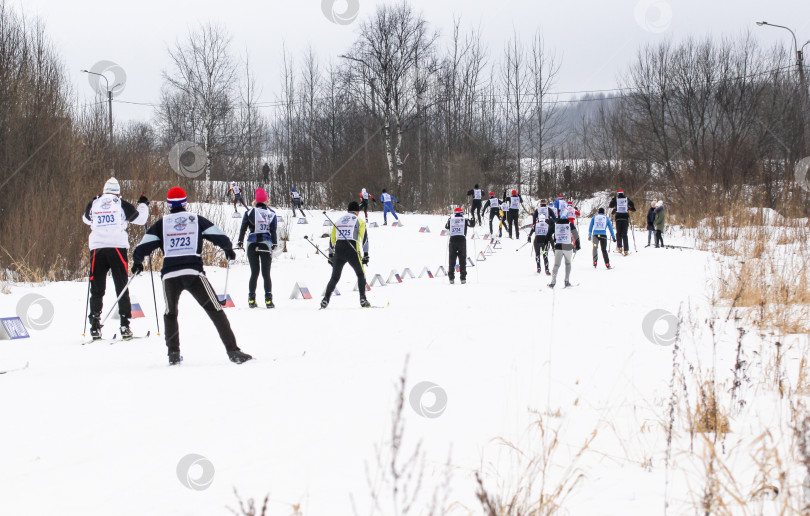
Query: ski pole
[[86, 306], [225, 295], [124, 291], [633, 229], [315, 246], [154, 296], [521, 247]]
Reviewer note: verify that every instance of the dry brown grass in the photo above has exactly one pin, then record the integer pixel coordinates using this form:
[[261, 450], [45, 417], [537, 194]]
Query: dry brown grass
[[709, 416]]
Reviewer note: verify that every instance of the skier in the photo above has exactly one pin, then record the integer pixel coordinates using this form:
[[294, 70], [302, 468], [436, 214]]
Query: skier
[[564, 248], [236, 192], [573, 212], [597, 231], [297, 202], [387, 199], [476, 194], [108, 216], [180, 236], [349, 239], [545, 210], [660, 223], [262, 241], [493, 205], [622, 206], [651, 222], [364, 197], [513, 214], [458, 225], [542, 236], [558, 204]]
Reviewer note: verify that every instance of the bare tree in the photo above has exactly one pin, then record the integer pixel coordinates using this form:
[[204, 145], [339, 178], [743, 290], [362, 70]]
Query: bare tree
[[385, 59]]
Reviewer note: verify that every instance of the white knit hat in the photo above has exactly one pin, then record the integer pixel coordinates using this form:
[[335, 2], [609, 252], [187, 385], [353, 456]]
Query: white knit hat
[[659, 204], [112, 187]]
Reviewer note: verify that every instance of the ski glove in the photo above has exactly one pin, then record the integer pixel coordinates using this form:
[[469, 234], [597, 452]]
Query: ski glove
[[230, 254], [143, 200], [239, 245], [529, 238], [365, 259], [137, 268]]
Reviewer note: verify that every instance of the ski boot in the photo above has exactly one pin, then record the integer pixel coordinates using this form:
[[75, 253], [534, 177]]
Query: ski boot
[[452, 281], [539, 270], [594, 265], [95, 325], [567, 284], [126, 332], [463, 282], [607, 266], [237, 356], [175, 358], [385, 223], [548, 273], [268, 301], [252, 300], [552, 284], [324, 302], [626, 253], [364, 303]]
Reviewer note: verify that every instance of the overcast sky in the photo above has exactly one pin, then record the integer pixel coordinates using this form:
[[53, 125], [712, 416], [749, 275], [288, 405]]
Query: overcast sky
[[595, 39]]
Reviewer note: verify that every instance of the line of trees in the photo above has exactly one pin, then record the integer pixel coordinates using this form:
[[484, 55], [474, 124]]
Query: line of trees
[[704, 123]]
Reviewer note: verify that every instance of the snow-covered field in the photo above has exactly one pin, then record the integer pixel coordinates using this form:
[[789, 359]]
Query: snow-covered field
[[100, 429]]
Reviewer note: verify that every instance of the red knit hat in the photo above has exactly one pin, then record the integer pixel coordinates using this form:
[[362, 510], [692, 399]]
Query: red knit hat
[[492, 194], [176, 197], [260, 196], [620, 191], [458, 210], [514, 192]]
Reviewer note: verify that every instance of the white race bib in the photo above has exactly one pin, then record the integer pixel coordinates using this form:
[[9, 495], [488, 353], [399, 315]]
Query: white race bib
[[541, 226], [296, 195], [344, 229], [621, 205], [543, 210], [365, 195], [107, 214], [563, 232], [457, 226], [514, 203], [386, 197], [236, 190], [180, 234], [263, 220], [600, 223], [477, 194], [571, 212], [493, 203]]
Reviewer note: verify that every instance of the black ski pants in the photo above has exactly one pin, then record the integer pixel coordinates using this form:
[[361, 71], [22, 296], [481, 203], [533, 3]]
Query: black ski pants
[[540, 250], [493, 213], [260, 258], [202, 291], [296, 203], [600, 240], [476, 208], [346, 252], [364, 207], [113, 260], [659, 238], [458, 251], [512, 218], [622, 225]]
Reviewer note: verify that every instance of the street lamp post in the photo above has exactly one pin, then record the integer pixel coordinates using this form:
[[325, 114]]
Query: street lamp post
[[799, 52], [109, 100]]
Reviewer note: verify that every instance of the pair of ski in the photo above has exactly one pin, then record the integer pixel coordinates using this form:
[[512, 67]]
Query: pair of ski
[[14, 369], [116, 339]]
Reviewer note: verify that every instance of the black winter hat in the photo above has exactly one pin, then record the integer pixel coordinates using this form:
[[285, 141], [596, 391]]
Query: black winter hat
[[353, 206], [601, 211]]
